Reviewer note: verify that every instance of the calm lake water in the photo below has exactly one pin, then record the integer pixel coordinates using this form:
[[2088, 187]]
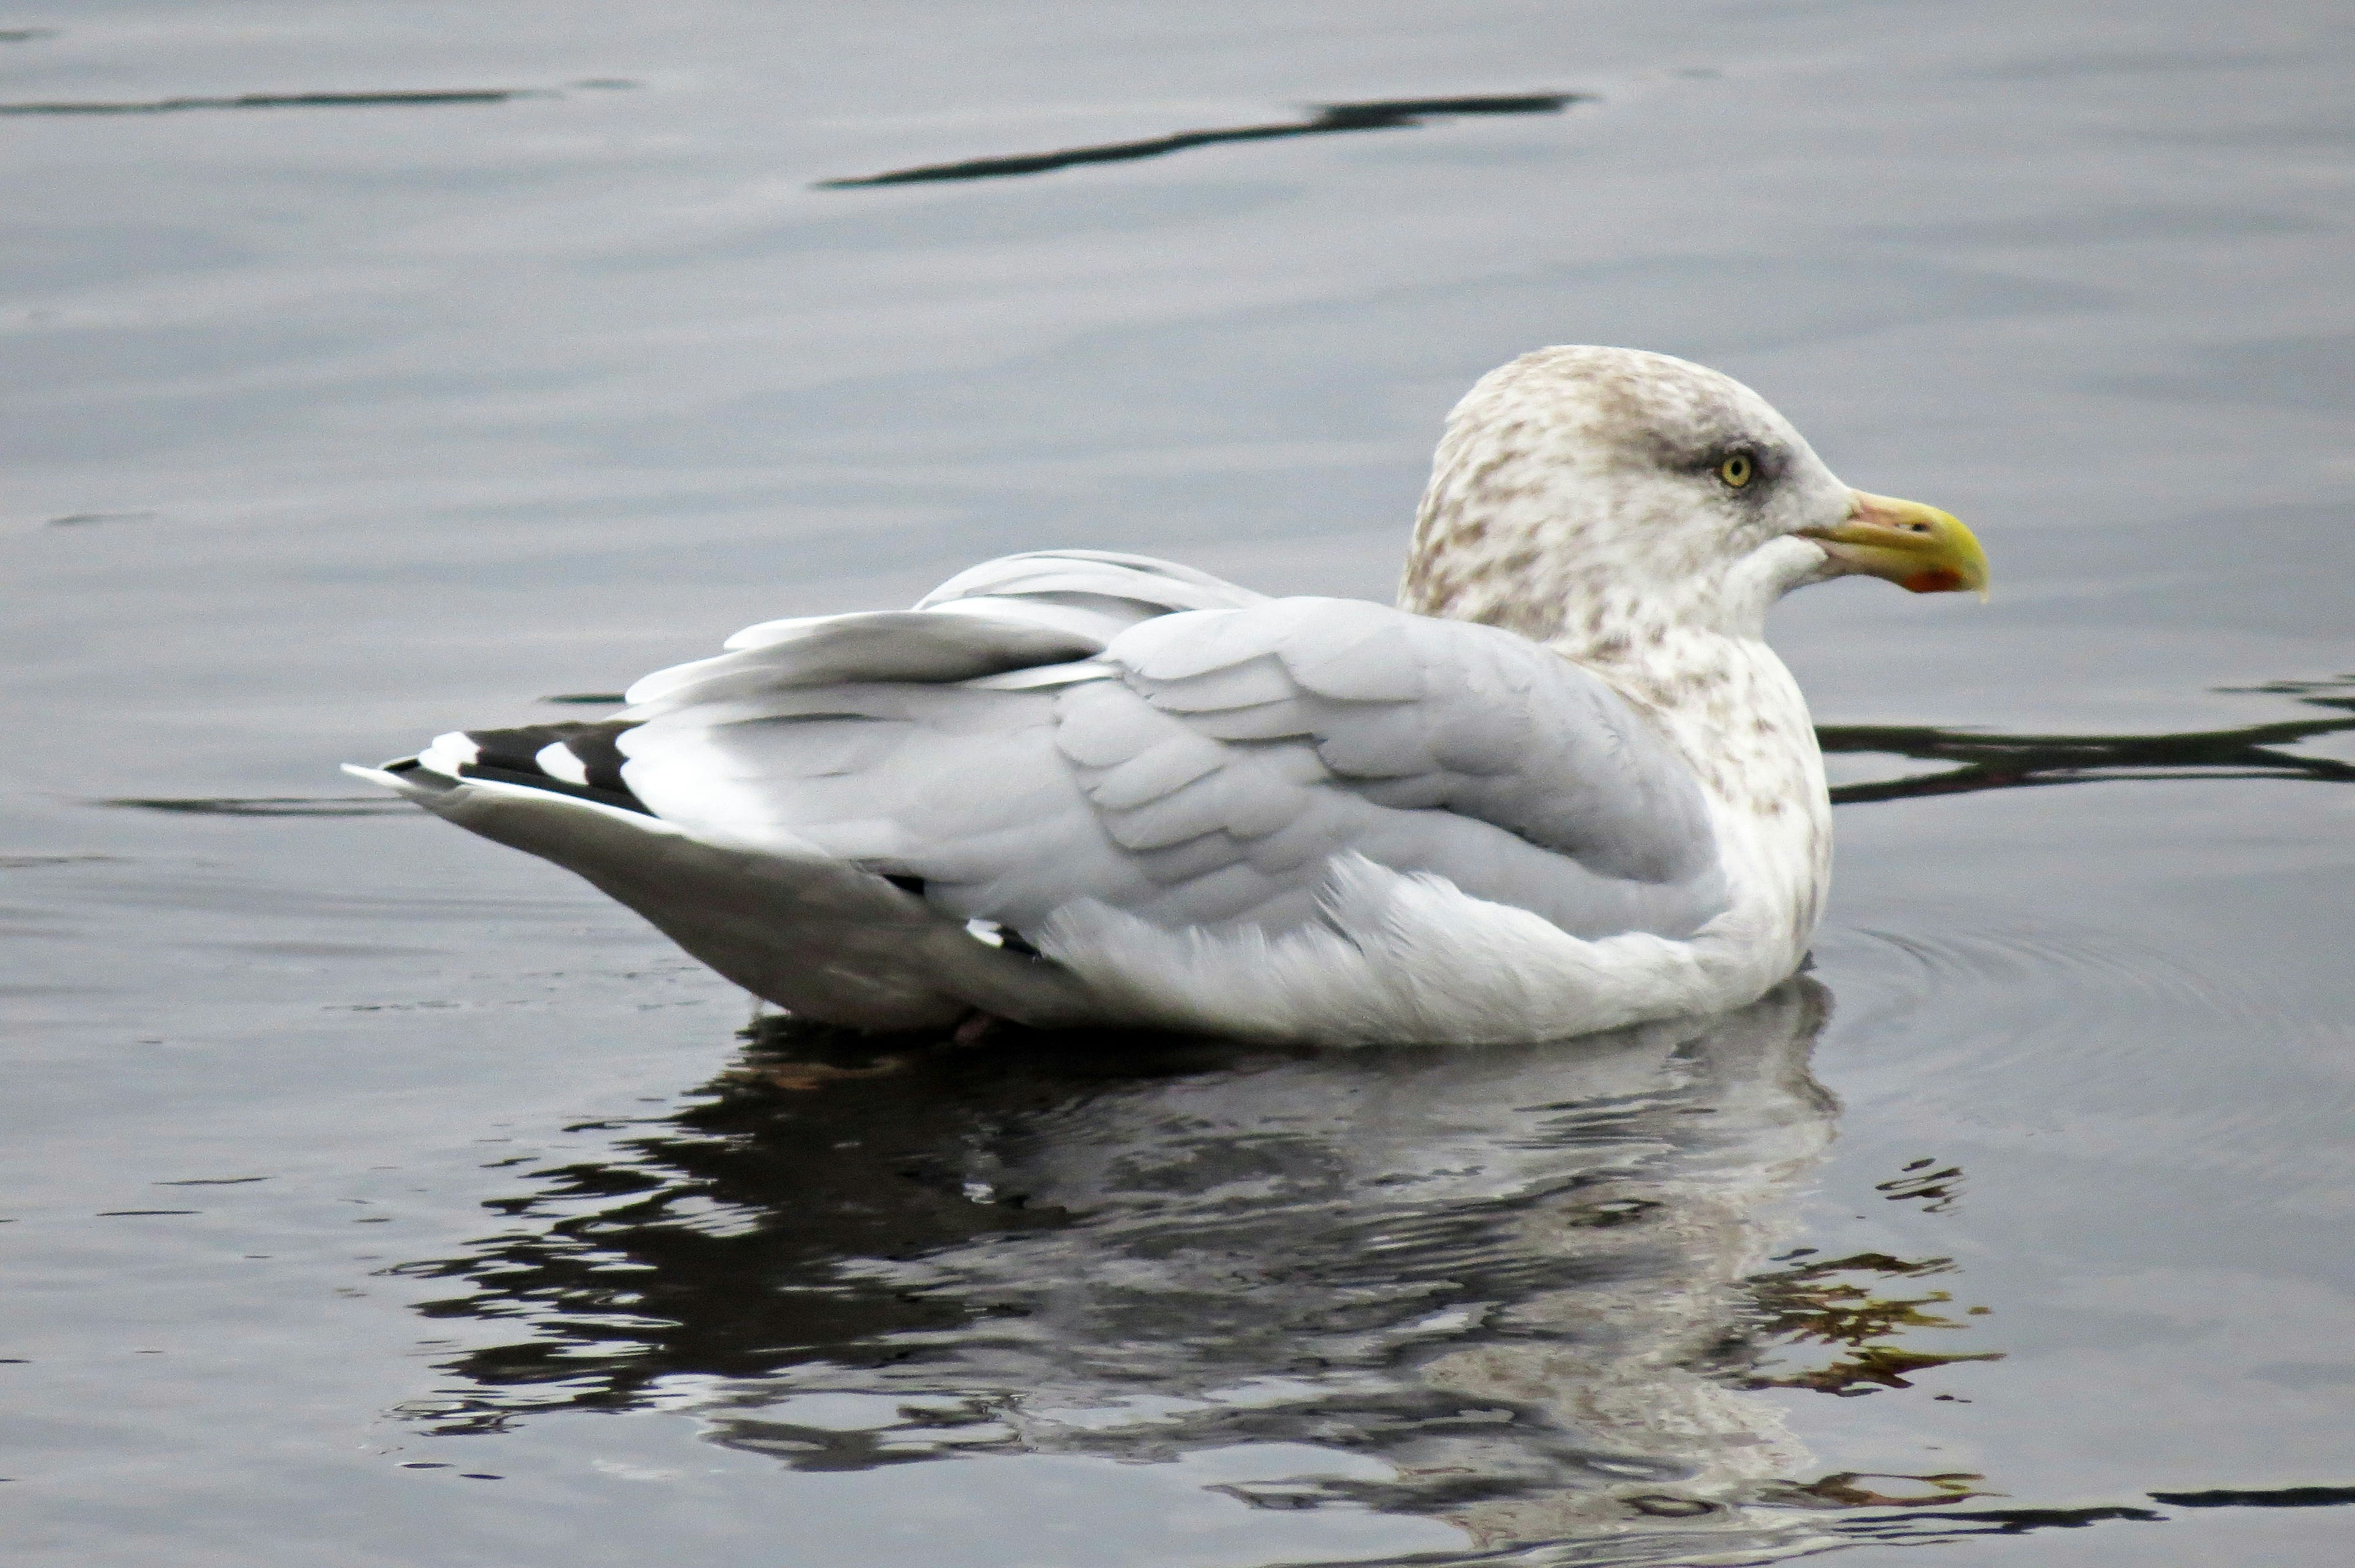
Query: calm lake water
[[378, 1196]]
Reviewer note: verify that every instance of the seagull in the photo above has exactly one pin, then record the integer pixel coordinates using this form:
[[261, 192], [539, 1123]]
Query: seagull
[[1563, 786]]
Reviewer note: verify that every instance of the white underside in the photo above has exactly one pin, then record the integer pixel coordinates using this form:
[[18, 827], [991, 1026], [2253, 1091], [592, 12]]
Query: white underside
[[1404, 958]]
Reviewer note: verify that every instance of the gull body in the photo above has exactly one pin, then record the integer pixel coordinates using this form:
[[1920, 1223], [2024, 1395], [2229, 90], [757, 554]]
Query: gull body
[[1563, 786]]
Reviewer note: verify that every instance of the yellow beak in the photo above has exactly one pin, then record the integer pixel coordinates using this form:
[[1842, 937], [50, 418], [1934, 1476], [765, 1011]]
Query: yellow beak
[[1919, 548]]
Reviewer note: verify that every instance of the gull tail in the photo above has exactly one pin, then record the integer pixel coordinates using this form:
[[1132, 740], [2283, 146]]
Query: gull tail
[[815, 935]]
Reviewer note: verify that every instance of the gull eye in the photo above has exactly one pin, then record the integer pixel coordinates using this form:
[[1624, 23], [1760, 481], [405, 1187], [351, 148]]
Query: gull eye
[[1737, 470]]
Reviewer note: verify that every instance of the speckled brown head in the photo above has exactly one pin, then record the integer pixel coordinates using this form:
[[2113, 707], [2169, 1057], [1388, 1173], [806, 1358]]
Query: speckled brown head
[[1592, 497]]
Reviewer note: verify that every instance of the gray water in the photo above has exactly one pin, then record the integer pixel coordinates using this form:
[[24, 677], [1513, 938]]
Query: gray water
[[376, 1195]]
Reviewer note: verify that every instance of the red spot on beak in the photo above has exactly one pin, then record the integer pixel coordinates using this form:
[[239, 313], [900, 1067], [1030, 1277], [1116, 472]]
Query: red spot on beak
[[1935, 580]]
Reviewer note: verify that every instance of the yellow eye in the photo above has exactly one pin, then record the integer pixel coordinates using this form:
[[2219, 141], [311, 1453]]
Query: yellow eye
[[1736, 470]]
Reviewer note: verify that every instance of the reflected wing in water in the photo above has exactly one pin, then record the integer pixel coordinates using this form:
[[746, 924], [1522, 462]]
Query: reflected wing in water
[[1525, 1278]]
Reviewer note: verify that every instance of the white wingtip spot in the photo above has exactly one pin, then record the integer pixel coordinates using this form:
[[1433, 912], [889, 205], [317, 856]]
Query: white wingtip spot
[[557, 762], [450, 752]]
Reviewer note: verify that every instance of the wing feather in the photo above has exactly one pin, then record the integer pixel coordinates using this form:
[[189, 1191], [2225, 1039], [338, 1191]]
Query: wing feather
[[1140, 581], [1205, 761], [1154, 776]]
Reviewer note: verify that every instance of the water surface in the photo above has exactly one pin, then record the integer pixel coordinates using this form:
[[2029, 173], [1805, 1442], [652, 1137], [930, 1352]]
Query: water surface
[[374, 1196]]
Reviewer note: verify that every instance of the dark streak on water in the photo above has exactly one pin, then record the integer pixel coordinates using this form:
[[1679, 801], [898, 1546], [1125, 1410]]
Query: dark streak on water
[[1929, 1529], [2279, 1496], [1985, 762], [1381, 114], [82, 519], [286, 100], [129, 1213]]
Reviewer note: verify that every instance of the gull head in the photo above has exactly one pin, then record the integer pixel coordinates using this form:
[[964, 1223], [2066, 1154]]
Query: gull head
[[1602, 497]]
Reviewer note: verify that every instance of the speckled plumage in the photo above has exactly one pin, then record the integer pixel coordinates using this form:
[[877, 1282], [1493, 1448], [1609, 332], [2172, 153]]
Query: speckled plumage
[[1565, 786], [1545, 515]]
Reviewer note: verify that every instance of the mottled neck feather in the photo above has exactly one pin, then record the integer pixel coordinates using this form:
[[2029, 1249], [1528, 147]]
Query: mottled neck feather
[[1686, 645]]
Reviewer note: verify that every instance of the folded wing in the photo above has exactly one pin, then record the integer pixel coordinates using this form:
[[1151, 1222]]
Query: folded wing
[[1052, 729]]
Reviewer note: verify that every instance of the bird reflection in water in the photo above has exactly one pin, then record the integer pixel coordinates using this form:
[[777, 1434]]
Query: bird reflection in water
[[1537, 1283]]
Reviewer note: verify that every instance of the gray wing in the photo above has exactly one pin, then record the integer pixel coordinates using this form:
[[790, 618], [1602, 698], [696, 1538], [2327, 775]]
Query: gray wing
[[1017, 612], [1475, 734], [1074, 726]]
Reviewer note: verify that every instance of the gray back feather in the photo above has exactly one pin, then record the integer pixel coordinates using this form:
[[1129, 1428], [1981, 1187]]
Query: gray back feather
[[1192, 752]]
